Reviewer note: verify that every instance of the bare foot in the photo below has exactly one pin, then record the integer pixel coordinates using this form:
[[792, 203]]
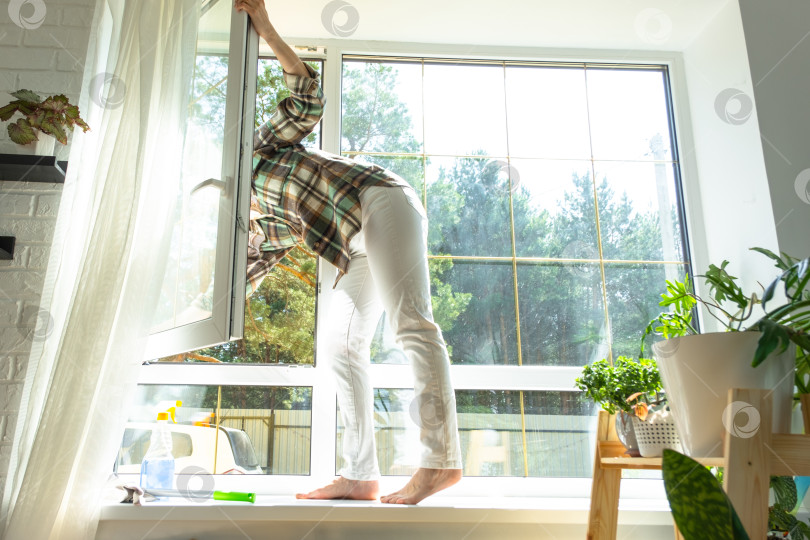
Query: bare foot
[[424, 483], [343, 488]]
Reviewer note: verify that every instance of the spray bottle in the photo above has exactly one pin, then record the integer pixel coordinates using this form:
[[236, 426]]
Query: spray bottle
[[157, 467]]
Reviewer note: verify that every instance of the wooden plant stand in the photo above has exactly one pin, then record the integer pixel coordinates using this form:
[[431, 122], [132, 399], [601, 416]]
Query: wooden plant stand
[[749, 463]]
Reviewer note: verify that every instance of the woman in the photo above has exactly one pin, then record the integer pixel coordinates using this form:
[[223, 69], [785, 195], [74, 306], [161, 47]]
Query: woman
[[371, 226]]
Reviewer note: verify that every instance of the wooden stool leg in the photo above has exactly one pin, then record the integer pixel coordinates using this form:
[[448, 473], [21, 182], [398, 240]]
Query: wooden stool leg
[[604, 512], [678, 535], [747, 477]]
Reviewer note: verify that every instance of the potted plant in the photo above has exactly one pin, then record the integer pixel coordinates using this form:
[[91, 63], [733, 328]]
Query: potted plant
[[42, 120], [698, 369], [621, 389]]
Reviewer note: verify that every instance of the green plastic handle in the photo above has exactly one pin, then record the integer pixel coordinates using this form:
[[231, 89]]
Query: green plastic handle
[[234, 496]]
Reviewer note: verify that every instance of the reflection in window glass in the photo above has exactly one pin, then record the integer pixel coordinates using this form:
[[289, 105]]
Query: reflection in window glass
[[628, 110], [464, 110], [553, 209], [382, 108], [557, 442], [468, 208], [563, 325], [638, 211], [634, 293], [262, 430], [547, 112]]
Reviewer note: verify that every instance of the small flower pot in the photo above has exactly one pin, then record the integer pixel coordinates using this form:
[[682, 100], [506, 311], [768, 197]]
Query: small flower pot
[[626, 432], [656, 433]]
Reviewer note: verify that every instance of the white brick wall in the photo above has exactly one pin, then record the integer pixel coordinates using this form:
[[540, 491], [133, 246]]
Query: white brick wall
[[49, 60], [27, 212]]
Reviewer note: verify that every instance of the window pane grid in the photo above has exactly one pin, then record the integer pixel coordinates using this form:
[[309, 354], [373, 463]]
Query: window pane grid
[[609, 252], [516, 259]]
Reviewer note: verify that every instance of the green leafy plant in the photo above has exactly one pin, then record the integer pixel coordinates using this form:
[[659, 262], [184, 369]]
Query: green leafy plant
[[786, 323], [700, 507], [53, 116], [782, 515], [612, 386], [782, 518]]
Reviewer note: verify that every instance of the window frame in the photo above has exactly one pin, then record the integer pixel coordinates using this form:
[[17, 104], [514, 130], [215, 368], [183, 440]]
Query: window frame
[[225, 322], [531, 378]]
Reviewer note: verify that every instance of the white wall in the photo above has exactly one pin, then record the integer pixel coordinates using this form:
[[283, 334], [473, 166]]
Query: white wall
[[727, 192], [47, 59], [777, 36]]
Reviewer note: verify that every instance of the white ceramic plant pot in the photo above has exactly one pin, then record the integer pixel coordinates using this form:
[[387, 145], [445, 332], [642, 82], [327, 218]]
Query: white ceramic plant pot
[[43, 146], [697, 373]]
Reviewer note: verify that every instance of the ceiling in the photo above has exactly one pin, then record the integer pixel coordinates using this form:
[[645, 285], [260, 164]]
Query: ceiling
[[614, 24]]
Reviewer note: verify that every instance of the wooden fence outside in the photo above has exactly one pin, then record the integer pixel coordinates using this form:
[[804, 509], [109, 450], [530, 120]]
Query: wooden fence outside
[[492, 444]]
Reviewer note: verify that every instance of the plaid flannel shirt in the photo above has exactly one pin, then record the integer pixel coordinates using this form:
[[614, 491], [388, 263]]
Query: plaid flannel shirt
[[300, 194]]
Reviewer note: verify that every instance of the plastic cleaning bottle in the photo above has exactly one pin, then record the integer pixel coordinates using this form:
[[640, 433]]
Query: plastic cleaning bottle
[[157, 467]]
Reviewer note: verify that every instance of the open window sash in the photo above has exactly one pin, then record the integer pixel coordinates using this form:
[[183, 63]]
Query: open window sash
[[203, 295]]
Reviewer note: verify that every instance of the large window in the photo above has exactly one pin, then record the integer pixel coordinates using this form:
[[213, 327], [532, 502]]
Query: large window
[[552, 192], [554, 219]]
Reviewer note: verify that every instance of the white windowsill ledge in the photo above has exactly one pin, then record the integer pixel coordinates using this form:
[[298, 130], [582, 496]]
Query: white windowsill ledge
[[438, 517]]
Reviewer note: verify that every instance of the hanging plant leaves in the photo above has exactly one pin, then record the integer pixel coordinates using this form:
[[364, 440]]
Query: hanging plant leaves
[[21, 132], [27, 95], [699, 505]]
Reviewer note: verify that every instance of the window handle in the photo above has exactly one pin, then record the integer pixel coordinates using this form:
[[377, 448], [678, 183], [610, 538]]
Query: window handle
[[219, 184]]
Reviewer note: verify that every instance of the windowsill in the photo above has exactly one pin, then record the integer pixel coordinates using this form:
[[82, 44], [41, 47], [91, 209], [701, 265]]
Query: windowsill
[[436, 517], [434, 509]]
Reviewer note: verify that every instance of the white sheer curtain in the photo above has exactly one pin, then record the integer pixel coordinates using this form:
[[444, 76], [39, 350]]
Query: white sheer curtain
[[106, 265]]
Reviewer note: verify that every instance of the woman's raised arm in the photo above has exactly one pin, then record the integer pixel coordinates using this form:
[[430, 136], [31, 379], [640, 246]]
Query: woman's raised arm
[[261, 22]]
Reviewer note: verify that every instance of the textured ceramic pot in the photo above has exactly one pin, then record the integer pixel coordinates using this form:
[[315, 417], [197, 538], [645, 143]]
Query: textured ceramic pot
[[697, 373], [627, 433]]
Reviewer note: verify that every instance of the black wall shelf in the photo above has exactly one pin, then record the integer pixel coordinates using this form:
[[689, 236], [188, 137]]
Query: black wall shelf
[[7, 248], [26, 168]]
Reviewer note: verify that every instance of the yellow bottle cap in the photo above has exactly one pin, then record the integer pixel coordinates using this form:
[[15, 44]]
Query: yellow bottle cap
[[163, 416]]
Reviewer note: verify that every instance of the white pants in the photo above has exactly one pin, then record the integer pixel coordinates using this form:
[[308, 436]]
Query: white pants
[[389, 271]]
